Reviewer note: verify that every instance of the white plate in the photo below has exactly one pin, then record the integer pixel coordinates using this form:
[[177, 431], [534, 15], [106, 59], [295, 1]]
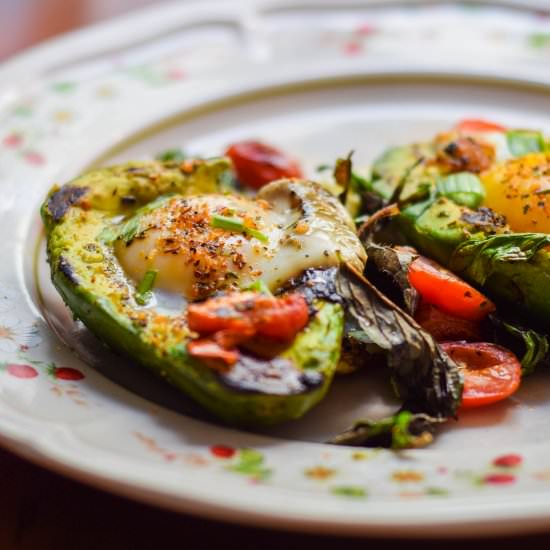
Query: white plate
[[149, 443]]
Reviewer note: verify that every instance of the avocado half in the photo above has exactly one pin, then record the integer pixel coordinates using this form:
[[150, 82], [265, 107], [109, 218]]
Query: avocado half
[[80, 218]]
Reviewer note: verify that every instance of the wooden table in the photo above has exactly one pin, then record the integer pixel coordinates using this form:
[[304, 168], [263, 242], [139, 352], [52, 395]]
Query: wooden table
[[40, 510], [43, 511]]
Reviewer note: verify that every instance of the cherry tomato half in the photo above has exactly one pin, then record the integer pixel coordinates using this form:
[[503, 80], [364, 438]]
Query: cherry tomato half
[[241, 315], [491, 373], [445, 290], [477, 125], [443, 326], [256, 163]]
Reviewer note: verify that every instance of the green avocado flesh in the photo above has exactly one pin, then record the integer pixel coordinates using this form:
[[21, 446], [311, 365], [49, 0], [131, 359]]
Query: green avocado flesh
[[80, 220]]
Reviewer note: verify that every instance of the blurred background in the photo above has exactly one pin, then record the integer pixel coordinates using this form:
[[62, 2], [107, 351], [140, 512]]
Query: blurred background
[[27, 22]]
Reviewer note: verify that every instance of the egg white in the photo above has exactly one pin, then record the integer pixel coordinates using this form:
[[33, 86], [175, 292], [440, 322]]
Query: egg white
[[302, 231]]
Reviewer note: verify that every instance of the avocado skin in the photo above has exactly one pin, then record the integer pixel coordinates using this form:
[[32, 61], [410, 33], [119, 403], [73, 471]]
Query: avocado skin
[[80, 210]]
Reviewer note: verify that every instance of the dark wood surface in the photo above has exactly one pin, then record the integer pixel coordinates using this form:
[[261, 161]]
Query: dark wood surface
[[40, 510]]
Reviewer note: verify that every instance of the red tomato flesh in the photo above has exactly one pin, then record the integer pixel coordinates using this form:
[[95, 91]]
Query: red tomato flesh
[[443, 326], [440, 287], [478, 125], [211, 351], [251, 314], [491, 373], [256, 163]]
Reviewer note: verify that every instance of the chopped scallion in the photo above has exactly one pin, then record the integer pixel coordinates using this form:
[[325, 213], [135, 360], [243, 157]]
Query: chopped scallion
[[237, 224], [522, 142], [143, 292], [257, 234], [227, 222], [463, 188]]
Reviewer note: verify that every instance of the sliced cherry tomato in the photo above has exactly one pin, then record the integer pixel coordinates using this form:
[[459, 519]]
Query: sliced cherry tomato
[[257, 163], [240, 316], [212, 352], [440, 287], [443, 326], [478, 125], [491, 373]]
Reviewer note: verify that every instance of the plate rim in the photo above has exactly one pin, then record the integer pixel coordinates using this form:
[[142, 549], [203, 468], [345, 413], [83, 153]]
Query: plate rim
[[34, 449]]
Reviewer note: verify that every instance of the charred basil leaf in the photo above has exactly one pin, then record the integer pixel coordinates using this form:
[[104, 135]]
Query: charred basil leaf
[[355, 189], [424, 376], [532, 346], [394, 261], [403, 430]]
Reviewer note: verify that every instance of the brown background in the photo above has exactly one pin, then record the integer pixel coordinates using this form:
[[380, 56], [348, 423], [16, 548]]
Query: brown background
[[43, 511]]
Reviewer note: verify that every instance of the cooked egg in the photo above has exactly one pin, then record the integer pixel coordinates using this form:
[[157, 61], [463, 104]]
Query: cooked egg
[[205, 243], [520, 189]]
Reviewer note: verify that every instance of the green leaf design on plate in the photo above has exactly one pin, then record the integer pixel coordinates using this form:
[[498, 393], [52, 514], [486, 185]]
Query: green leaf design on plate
[[352, 491], [63, 87], [250, 462], [437, 492], [539, 39]]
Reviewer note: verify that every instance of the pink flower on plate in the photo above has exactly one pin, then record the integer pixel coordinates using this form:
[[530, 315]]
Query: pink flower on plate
[[508, 461], [35, 158], [176, 74], [352, 48], [21, 370], [365, 29], [499, 479], [12, 140]]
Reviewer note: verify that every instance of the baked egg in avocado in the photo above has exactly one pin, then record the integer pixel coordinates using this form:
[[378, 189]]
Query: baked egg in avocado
[[166, 264]]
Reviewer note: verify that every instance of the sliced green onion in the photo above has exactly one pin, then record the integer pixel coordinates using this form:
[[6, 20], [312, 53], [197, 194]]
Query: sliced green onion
[[227, 222], [237, 224], [257, 234], [463, 188], [259, 286], [522, 142], [143, 293]]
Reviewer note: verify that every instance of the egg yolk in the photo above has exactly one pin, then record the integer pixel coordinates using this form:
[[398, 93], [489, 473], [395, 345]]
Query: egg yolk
[[195, 257], [520, 190]]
